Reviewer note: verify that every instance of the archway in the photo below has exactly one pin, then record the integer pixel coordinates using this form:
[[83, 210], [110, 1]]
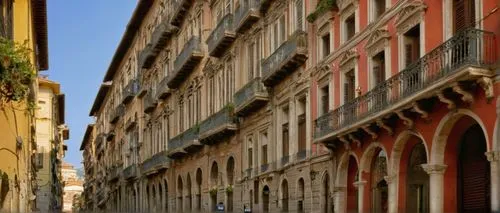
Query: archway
[[284, 196], [417, 180], [346, 194], [199, 179], [326, 202], [458, 156], [214, 176], [378, 185], [179, 193], [188, 196], [160, 197], [153, 198], [165, 187], [147, 207], [300, 195], [230, 182], [265, 199]]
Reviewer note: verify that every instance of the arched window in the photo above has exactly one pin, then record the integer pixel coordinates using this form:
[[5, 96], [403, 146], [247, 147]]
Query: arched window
[[230, 182], [378, 183], [301, 196], [284, 196]]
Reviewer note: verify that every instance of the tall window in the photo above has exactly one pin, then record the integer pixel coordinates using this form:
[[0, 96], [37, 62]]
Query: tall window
[[378, 8], [350, 27], [6, 18], [464, 14], [324, 100], [285, 133], [349, 86], [299, 16], [264, 155], [378, 69], [251, 61], [250, 152], [325, 45], [411, 45], [264, 151]]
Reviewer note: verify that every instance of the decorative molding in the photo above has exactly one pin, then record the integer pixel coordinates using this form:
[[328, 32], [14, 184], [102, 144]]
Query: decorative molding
[[390, 178], [359, 184], [406, 120], [434, 168], [451, 104], [417, 108], [355, 140], [466, 95], [493, 156], [346, 6], [348, 59], [389, 130], [487, 84], [411, 14], [377, 41], [347, 146], [368, 130]]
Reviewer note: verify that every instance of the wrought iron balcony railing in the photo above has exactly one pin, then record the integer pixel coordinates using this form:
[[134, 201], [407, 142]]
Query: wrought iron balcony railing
[[183, 143], [130, 123], [289, 55], [149, 102], [185, 62], [162, 33], [114, 173], [182, 6], [222, 36], [250, 97], [218, 125], [118, 112], [246, 14], [156, 163], [130, 172], [439, 68], [284, 160], [146, 57], [130, 91], [162, 90]]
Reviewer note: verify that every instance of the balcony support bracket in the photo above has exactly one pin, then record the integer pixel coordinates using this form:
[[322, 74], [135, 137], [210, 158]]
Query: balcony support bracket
[[406, 120], [389, 130], [423, 114], [347, 146], [451, 104], [368, 130], [487, 84], [466, 95], [355, 140]]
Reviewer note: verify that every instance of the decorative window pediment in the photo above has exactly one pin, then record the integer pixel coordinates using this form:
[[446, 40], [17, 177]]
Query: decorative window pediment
[[411, 14], [377, 41], [347, 5], [348, 59]]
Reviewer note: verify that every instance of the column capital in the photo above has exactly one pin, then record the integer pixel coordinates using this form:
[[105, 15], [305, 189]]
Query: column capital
[[359, 184], [390, 178], [493, 156], [434, 168], [339, 189]]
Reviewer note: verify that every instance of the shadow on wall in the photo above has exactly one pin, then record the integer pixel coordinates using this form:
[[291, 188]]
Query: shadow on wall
[[4, 187]]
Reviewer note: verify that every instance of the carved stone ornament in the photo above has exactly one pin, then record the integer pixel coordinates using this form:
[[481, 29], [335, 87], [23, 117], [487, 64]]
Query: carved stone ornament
[[493, 156], [321, 71], [434, 168], [346, 4], [377, 41], [411, 14], [348, 59]]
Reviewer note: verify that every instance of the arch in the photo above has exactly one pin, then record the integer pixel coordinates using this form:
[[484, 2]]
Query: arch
[[188, 194], [398, 148], [284, 195], [214, 174], [347, 172], [179, 193], [265, 198], [301, 195], [368, 154], [165, 196], [444, 128], [230, 170], [340, 180], [199, 179]]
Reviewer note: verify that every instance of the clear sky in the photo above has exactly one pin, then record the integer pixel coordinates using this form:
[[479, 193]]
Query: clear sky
[[83, 36]]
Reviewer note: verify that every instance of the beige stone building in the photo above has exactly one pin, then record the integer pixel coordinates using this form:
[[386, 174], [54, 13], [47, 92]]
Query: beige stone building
[[50, 136], [244, 103], [73, 186]]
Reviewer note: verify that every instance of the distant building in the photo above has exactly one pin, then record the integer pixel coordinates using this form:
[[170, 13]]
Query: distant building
[[50, 135], [73, 186]]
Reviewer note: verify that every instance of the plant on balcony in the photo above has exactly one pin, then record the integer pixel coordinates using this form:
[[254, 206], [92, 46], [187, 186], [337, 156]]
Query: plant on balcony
[[213, 191], [230, 107], [229, 188], [16, 71], [322, 7]]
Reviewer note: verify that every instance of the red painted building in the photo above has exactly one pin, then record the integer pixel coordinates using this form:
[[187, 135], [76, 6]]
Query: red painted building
[[405, 96]]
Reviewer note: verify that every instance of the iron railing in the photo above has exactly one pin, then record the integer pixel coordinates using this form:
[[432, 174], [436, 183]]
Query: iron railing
[[149, 102], [285, 52], [162, 89], [180, 140], [284, 160], [130, 91], [224, 117], [189, 48], [243, 10], [471, 47], [225, 25], [130, 171], [157, 161], [145, 56], [248, 92], [114, 173], [117, 113]]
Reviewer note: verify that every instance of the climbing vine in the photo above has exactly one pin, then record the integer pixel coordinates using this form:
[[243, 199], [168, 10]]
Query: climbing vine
[[16, 71], [322, 7]]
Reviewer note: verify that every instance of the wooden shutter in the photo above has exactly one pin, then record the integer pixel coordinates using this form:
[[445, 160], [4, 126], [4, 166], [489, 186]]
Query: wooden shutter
[[459, 14], [324, 100], [346, 91], [408, 54], [250, 158], [285, 135], [302, 132], [298, 6]]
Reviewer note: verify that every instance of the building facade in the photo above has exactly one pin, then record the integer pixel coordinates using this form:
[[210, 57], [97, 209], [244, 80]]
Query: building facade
[[73, 187], [22, 21], [50, 136], [299, 106]]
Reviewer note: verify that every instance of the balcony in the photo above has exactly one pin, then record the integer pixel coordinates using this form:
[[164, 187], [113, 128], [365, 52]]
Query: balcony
[[181, 11], [250, 97], [465, 57], [162, 33], [222, 37], [130, 91], [185, 62], [130, 123], [146, 57], [247, 13], [290, 55], [162, 90], [184, 143], [101, 197], [114, 173], [218, 125], [99, 143], [156, 163], [130, 172], [149, 102], [118, 112]]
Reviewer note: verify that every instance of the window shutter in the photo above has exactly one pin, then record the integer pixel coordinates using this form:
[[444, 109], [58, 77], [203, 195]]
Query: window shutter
[[376, 74], [346, 91], [299, 15], [459, 14], [408, 54], [324, 101], [302, 132]]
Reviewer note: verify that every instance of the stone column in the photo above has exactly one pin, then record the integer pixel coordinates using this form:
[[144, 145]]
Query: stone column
[[436, 174], [392, 185], [494, 159], [360, 185], [339, 194]]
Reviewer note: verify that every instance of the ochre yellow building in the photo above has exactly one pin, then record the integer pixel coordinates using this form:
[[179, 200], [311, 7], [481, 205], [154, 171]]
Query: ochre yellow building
[[23, 20]]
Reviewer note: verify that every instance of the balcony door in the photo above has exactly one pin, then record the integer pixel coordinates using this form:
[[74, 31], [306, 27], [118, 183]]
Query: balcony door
[[464, 14]]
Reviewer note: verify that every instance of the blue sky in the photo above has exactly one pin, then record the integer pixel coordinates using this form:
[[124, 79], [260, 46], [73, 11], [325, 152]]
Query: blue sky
[[83, 36]]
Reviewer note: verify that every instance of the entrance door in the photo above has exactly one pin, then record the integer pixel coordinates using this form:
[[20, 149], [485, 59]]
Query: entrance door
[[473, 172], [265, 199], [463, 14]]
